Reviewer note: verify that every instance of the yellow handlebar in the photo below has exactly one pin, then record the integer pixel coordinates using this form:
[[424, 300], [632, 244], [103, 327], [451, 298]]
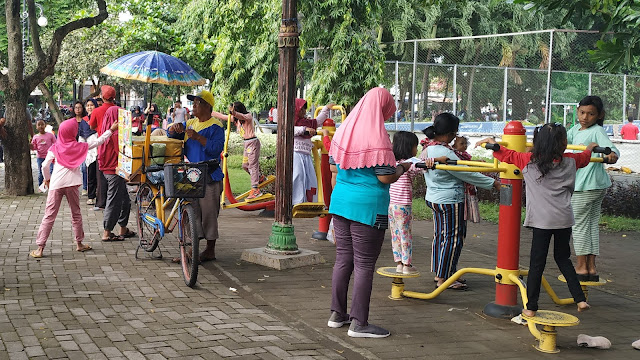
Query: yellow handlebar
[[334, 107]]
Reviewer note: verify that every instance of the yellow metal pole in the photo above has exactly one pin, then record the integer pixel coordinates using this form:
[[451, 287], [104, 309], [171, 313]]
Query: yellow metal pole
[[225, 156], [445, 285]]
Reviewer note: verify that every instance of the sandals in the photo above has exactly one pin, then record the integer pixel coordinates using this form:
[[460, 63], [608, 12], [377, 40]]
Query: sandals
[[128, 234], [85, 248], [458, 286], [34, 254], [113, 237]]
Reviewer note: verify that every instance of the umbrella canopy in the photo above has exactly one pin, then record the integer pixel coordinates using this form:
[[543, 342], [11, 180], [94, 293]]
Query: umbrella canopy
[[153, 67]]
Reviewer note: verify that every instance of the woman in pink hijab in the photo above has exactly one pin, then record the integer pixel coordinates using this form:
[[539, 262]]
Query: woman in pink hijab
[[362, 156], [69, 155]]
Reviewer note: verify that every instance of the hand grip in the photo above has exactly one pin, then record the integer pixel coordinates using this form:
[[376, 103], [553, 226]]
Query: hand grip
[[602, 150], [494, 147]]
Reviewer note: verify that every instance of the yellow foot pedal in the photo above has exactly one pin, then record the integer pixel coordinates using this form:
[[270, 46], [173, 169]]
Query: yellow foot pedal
[[585, 285], [549, 321], [309, 210], [397, 285], [262, 197]]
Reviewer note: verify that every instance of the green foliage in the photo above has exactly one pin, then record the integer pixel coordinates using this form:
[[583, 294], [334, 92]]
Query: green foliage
[[234, 43], [619, 16]]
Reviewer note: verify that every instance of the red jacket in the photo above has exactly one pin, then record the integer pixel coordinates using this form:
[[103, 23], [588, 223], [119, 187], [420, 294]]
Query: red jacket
[[108, 152], [96, 117]]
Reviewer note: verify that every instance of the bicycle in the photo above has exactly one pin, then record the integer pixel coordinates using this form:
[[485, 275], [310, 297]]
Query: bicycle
[[153, 199]]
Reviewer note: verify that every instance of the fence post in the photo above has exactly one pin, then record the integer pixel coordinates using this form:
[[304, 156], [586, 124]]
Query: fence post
[[398, 98], [504, 94], [589, 89], [547, 113], [624, 98], [413, 85], [455, 90]]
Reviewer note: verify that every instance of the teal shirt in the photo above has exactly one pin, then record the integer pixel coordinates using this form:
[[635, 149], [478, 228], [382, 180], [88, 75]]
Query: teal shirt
[[359, 196], [447, 187], [593, 176]]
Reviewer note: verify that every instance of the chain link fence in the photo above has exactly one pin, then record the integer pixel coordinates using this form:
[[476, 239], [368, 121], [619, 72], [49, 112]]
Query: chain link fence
[[535, 77]]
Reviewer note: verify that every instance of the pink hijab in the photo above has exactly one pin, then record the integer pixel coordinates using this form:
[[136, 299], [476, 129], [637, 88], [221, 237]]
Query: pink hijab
[[362, 141], [69, 153]]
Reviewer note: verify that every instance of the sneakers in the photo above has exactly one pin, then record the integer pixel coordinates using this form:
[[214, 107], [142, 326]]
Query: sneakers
[[409, 270], [262, 179], [399, 268], [254, 193], [369, 331], [84, 192], [336, 320], [91, 202]]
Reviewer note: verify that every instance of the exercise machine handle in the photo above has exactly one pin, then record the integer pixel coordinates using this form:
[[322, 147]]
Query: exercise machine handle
[[602, 150]]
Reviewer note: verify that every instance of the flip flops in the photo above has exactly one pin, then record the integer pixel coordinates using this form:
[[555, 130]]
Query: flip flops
[[86, 248], [113, 237], [34, 254], [129, 234]]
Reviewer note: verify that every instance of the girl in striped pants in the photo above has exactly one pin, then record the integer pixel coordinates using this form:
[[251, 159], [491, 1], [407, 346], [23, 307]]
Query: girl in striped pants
[[592, 183], [445, 196]]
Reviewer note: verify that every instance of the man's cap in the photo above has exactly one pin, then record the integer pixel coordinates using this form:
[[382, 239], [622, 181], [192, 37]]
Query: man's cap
[[205, 96], [108, 92]]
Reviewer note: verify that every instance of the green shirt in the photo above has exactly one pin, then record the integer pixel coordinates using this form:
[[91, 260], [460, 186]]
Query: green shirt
[[593, 176]]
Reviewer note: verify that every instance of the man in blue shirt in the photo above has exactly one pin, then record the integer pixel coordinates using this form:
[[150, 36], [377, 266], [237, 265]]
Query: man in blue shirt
[[204, 140]]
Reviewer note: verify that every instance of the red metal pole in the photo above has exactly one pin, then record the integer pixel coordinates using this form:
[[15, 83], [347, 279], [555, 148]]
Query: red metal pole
[[506, 301], [327, 188]]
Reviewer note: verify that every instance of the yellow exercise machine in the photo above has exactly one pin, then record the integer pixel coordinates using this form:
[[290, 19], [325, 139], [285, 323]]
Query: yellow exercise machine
[[507, 274]]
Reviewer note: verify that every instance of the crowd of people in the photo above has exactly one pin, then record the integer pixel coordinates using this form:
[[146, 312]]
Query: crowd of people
[[373, 192], [372, 187]]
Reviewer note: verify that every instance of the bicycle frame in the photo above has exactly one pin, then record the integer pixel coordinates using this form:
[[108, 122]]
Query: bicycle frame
[[162, 222]]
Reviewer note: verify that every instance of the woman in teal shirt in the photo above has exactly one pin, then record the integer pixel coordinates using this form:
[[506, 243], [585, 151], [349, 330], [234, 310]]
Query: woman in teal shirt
[[592, 183], [365, 165]]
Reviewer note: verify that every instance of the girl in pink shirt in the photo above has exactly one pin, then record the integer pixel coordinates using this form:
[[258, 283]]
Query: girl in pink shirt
[[65, 180], [405, 146]]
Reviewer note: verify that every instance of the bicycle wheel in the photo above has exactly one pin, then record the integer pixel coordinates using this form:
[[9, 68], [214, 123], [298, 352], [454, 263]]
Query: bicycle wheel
[[148, 234], [189, 245]]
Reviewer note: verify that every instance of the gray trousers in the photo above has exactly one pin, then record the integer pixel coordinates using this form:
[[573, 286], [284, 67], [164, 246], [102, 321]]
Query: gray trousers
[[207, 210], [118, 203]]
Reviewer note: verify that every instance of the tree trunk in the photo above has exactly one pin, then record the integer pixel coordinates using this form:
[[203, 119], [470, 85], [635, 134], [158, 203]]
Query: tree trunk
[[424, 89], [53, 106], [117, 87], [469, 107], [81, 91], [18, 176]]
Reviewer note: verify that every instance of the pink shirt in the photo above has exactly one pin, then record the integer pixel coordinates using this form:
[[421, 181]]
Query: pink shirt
[[401, 191], [42, 143], [629, 131], [64, 177]]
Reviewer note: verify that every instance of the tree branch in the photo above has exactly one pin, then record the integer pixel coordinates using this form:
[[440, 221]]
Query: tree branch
[[35, 33], [46, 68]]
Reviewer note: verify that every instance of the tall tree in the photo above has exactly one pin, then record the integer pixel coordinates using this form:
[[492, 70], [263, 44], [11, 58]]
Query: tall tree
[[18, 84]]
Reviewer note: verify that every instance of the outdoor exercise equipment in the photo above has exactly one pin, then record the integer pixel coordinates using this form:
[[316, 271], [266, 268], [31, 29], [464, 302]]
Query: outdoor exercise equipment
[[266, 201], [325, 172], [507, 275]]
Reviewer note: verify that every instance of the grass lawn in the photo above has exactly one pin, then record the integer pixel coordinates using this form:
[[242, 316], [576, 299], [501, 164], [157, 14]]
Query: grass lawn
[[490, 212], [238, 178]]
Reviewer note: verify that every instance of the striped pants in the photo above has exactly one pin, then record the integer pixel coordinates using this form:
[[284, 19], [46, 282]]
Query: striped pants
[[587, 207], [449, 231]]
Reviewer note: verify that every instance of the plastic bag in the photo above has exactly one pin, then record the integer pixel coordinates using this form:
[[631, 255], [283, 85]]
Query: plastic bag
[[331, 233]]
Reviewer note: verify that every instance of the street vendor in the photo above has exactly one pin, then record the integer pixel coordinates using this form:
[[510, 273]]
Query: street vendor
[[204, 141]]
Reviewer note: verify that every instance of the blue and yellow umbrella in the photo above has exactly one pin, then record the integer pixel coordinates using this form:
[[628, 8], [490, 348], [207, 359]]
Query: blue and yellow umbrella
[[153, 67]]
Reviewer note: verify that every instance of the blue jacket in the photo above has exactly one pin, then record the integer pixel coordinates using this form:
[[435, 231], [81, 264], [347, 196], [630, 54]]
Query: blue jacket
[[214, 132]]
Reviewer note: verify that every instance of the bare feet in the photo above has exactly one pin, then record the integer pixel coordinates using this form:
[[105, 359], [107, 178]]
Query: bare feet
[[528, 313], [583, 306]]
